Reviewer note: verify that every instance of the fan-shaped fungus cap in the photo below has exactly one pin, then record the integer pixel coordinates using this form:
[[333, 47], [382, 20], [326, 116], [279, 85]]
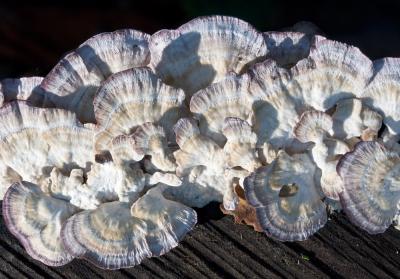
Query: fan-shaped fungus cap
[[32, 139], [131, 98], [122, 152], [35, 219], [150, 139], [228, 98], [113, 52], [274, 112], [204, 51], [73, 82], [116, 235], [371, 181], [353, 119], [71, 85], [25, 89], [240, 148], [331, 72], [313, 126], [383, 92], [196, 149], [287, 200]]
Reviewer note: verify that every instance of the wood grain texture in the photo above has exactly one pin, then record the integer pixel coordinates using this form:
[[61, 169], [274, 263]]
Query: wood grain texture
[[217, 248]]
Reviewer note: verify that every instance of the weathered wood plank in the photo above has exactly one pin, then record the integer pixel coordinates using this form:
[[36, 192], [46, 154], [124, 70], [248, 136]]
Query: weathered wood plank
[[217, 248]]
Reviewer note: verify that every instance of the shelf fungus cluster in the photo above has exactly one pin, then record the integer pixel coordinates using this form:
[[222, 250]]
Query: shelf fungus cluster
[[105, 158]]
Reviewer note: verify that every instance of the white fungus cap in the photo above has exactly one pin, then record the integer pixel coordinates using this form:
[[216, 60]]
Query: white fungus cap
[[131, 98], [73, 82], [118, 235], [204, 51]]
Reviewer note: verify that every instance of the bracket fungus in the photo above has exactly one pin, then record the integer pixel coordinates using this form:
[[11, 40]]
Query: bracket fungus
[[287, 199], [36, 219], [131, 98], [103, 158], [74, 81], [371, 181], [204, 51], [118, 234], [33, 140]]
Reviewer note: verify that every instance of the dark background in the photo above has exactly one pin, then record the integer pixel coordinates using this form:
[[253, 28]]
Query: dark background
[[34, 36]]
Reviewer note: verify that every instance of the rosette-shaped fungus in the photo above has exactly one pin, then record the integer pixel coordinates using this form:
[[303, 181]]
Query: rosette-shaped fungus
[[118, 234], [204, 51], [275, 126], [74, 81], [371, 178], [287, 199]]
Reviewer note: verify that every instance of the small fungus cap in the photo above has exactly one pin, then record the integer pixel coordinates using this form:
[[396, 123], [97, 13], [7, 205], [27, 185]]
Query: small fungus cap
[[113, 52], [227, 98], [353, 119], [240, 148], [196, 149], [150, 139], [326, 155], [313, 126]]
